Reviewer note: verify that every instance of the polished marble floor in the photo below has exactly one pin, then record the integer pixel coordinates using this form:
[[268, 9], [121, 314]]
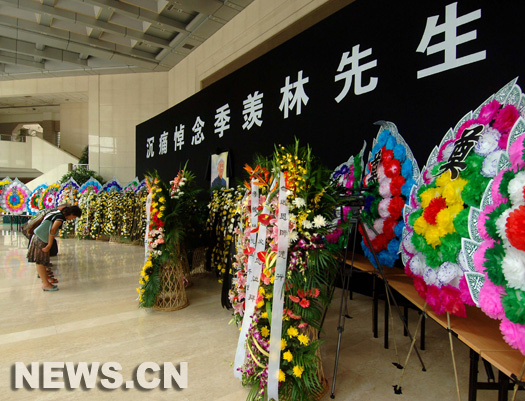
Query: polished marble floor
[[94, 318]]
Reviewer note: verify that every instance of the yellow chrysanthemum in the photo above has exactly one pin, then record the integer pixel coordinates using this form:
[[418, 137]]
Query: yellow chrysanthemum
[[303, 339], [298, 371], [282, 376], [264, 315], [260, 304], [292, 332], [287, 356], [265, 332], [284, 344]]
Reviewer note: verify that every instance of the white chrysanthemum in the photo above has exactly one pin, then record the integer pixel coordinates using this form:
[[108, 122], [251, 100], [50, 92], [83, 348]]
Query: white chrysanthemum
[[299, 202], [463, 261], [307, 224], [446, 153], [500, 226], [447, 272], [516, 189], [292, 236], [408, 245], [488, 143], [382, 209], [430, 276], [417, 266], [513, 266], [490, 164], [319, 221], [384, 188]]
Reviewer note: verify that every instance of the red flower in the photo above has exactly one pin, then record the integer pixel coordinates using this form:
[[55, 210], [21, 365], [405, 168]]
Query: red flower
[[301, 293], [304, 303], [249, 250], [254, 230], [265, 219], [386, 154], [314, 292], [396, 184], [395, 207], [303, 325], [388, 227], [380, 242], [262, 256], [433, 208], [294, 298], [515, 228], [392, 168]]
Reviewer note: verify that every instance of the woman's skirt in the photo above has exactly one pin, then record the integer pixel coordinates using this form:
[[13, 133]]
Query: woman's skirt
[[35, 254]]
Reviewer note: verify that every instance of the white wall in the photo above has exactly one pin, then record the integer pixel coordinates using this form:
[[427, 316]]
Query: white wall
[[74, 127], [15, 155]]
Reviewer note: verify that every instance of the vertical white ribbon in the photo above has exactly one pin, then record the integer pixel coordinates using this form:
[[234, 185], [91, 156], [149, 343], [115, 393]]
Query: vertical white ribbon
[[249, 304], [148, 217], [278, 293]]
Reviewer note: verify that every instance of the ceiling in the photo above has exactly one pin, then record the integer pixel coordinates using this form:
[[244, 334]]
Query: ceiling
[[57, 38]]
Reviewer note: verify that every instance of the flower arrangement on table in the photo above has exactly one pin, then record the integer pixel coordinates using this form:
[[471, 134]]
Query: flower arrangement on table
[[34, 201], [451, 187], [223, 220], [500, 257], [3, 183], [15, 196], [49, 197], [390, 174], [311, 265]]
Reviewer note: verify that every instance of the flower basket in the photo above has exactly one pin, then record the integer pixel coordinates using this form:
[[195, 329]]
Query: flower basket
[[185, 267], [172, 294], [199, 262], [314, 333]]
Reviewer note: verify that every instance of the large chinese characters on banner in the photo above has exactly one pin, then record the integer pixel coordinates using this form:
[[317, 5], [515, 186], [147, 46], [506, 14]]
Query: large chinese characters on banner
[[415, 63]]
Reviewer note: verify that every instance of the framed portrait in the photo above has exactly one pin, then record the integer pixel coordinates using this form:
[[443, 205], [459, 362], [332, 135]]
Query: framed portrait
[[219, 169]]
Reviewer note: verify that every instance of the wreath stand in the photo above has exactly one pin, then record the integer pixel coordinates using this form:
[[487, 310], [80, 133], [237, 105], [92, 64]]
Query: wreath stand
[[172, 294], [199, 263], [346, 273]]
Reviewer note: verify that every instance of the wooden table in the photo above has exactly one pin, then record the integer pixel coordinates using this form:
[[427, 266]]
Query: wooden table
[[479, 332]]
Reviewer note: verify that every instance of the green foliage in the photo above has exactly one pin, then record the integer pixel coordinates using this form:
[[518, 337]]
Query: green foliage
[[84, 158], [81, 175]]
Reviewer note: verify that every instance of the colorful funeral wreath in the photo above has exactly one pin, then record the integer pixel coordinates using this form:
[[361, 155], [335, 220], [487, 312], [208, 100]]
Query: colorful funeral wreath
[[500, 257], [390, 174], [451, 186], [14, 197]]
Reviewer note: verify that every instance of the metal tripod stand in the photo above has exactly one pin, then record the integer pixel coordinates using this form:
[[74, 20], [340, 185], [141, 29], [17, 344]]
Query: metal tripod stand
[[346, 274]]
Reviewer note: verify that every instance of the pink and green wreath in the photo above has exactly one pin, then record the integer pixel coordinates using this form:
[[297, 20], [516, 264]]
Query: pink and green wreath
[[451, 187], [501, 255]]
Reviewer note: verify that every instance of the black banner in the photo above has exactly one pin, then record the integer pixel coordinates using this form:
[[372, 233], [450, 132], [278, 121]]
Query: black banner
[[422, 65]]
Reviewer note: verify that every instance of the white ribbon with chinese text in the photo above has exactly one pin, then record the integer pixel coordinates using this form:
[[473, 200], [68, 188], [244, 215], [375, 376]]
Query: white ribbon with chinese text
[[283, 219], [257, 241]]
